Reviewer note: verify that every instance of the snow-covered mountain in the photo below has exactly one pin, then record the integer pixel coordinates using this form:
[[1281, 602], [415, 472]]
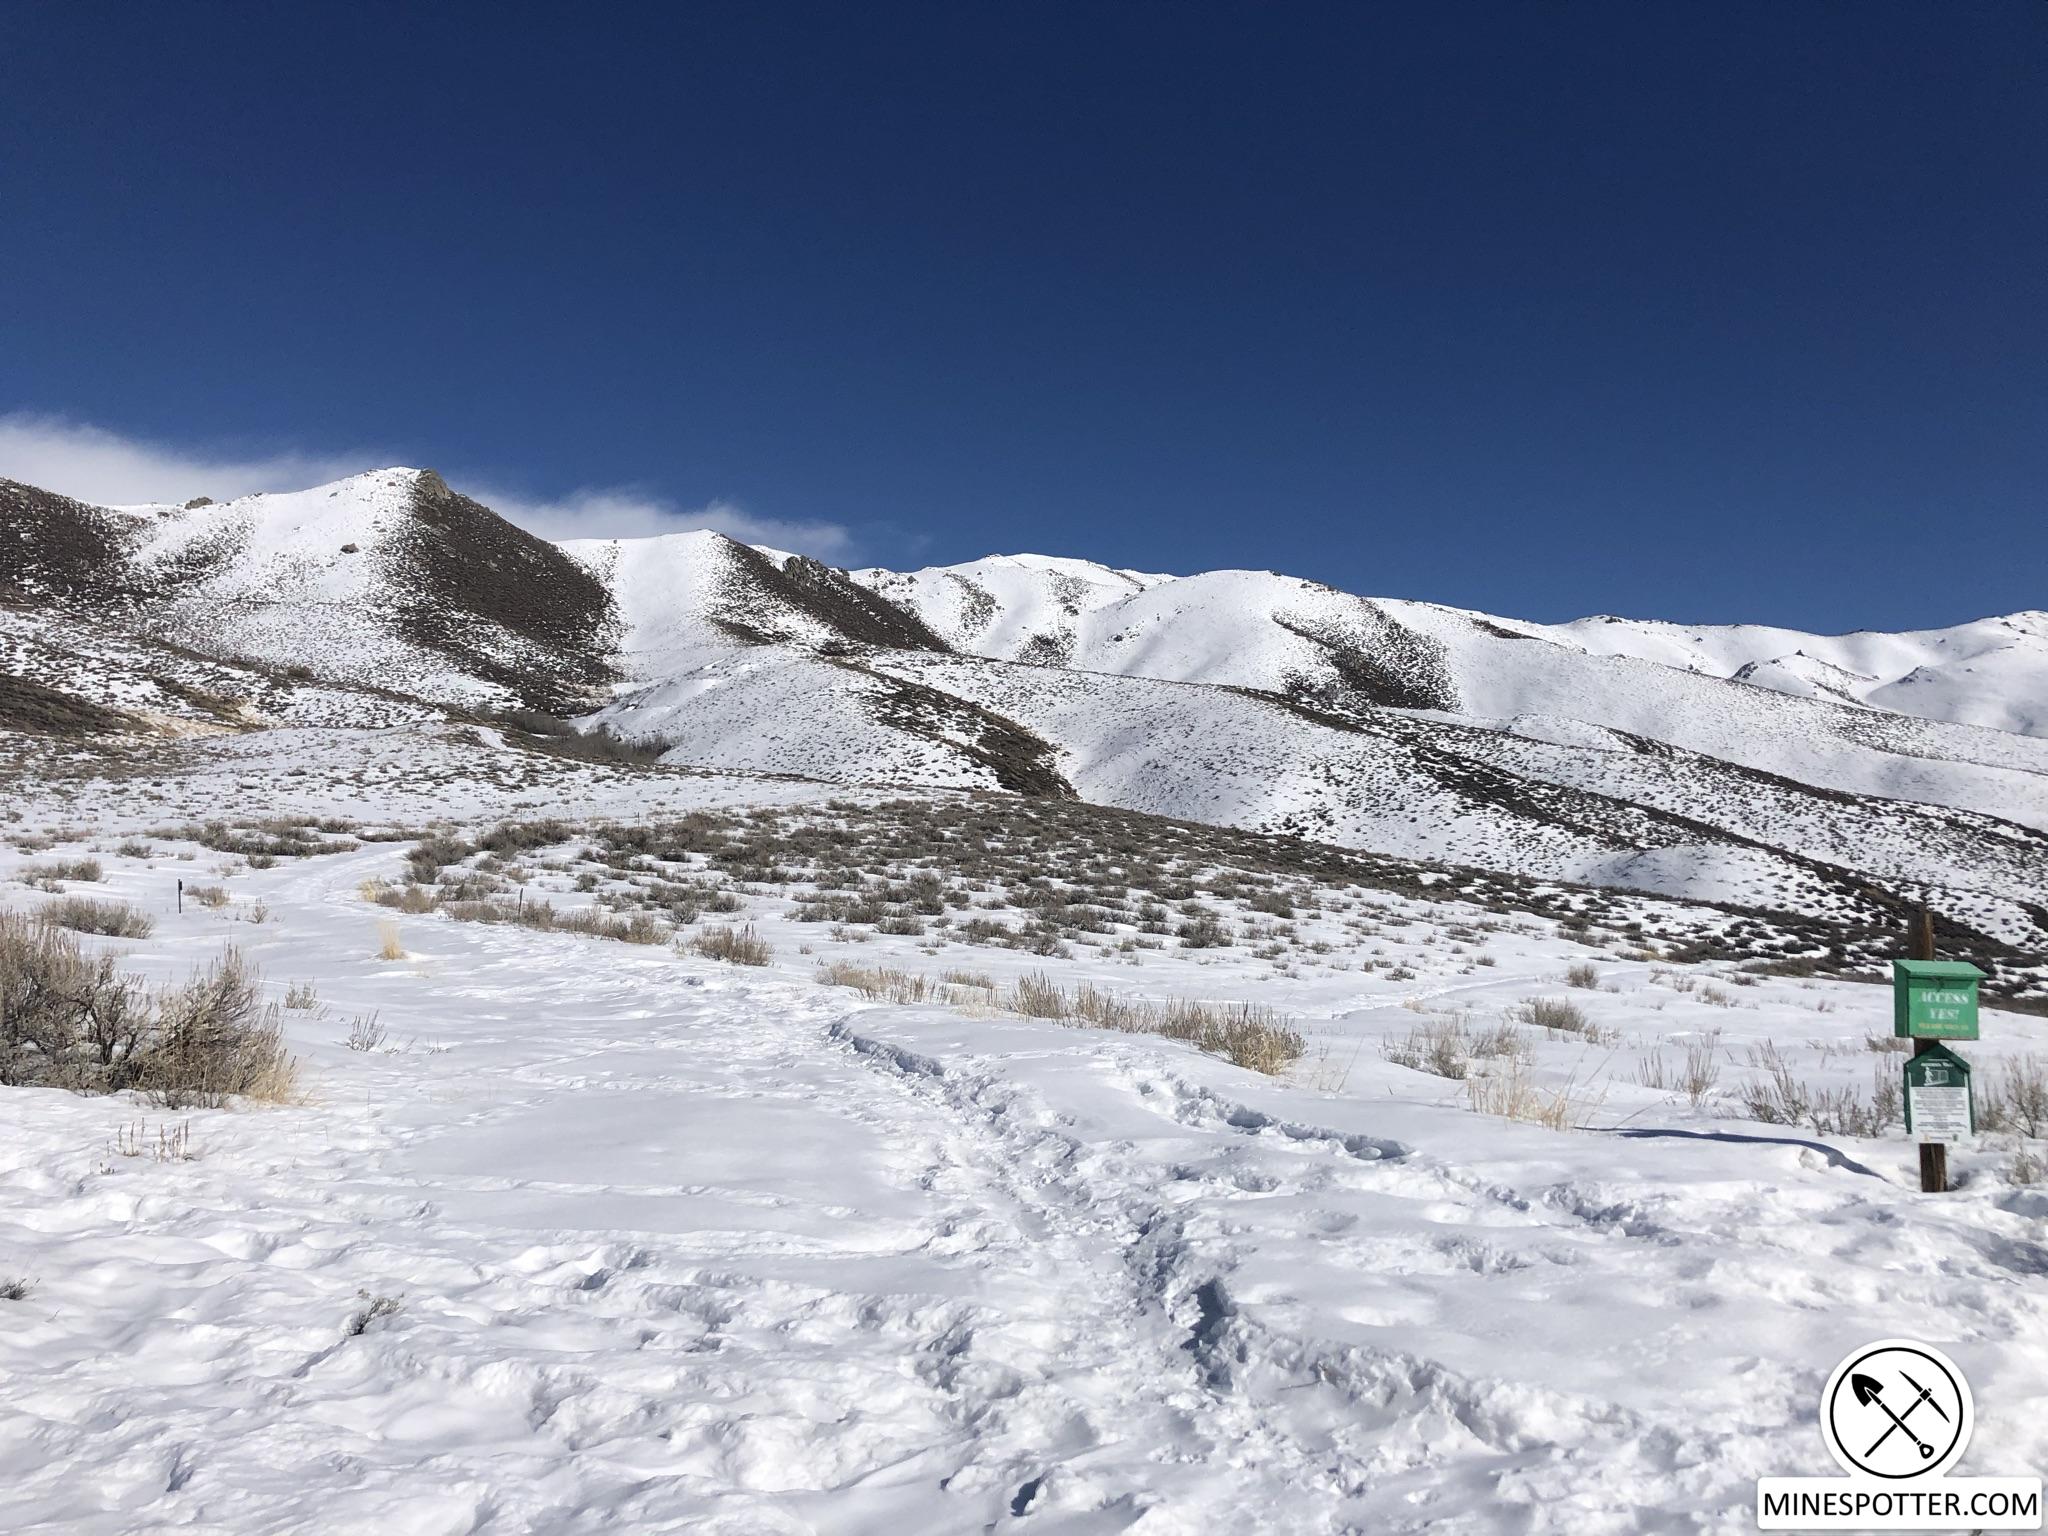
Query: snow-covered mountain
[[1843, 775]]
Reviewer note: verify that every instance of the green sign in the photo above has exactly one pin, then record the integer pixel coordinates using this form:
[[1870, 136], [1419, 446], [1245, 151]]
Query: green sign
[[1935, 999], [1938, 1106]]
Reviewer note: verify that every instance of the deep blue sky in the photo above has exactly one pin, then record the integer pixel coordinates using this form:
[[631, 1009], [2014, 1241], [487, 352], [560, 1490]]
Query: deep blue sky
[[1711, 311]]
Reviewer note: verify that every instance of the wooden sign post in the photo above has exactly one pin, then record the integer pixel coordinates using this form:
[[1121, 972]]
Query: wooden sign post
[[1933, 1001]]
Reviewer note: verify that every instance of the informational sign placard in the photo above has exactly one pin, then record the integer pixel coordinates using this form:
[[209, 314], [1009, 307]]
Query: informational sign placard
[[1939, 1114], [1938, 1097]]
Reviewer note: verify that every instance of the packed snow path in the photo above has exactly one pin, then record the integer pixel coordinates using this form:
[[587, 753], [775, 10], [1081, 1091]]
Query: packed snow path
[[676, 1255], [674, 1246]]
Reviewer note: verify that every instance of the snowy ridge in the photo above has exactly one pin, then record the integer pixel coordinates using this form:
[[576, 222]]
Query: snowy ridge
[[1756, 765]]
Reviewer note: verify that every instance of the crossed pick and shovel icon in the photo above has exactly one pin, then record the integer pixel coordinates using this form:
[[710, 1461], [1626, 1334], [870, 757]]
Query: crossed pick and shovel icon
[[1869, 1390]]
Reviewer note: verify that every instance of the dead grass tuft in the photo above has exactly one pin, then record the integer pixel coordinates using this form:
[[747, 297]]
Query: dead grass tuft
[[736, 946]]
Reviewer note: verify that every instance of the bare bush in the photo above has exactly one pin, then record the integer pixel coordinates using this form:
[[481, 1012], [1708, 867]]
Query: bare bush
[[72, 1020], [594, 922], [1501, 1039], [208, 895], [365, 1033], [16, 1289], [1841, 1112], [1702, 1070], [1651, 1071], [1560, 1015], [1509, 1091], [62, 1012], [52, 876], [116, 919], [591, 922], [1038, 996], [736, 946], [1584, 975], [374, 1309], [1203, 931], [879, 983], [1247, 1035], [215, 1038], [2019, 1100], [425, 860], [1441, 1047], [1777, 1097]]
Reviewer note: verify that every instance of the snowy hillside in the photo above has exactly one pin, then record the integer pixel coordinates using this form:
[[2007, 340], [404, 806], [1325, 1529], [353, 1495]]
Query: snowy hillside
[[1984, 673], [1258, 629], [1755, 766]]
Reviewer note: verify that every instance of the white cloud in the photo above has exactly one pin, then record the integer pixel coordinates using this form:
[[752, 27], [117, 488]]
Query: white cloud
[[626, 513], [110, 469]]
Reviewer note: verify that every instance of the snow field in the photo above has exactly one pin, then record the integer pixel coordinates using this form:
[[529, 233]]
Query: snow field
[[674, 1245]]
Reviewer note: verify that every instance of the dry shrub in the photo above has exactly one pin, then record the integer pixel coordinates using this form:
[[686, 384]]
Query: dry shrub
[[1248, 1034], [591, 922], [51, 876], [215, 1038], [2018, 1100], [365, 1033], [376, 1309], [736, 946], [72, 1020], [67, 1019], [207, 895], [1203, 931], [1702, 1070], [879, 983], [1651, 1071], [596, 923], [413, 900], [1779, 1097], [1442, 1047], [1038, 996], [1245, 1034], [425, 860], [1510, 1092], [1584, 975], [1558, 1014], [389, 946], [116, 919]]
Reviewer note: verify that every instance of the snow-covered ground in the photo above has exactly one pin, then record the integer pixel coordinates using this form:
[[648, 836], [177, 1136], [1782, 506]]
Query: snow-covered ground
[[611, 1236]]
